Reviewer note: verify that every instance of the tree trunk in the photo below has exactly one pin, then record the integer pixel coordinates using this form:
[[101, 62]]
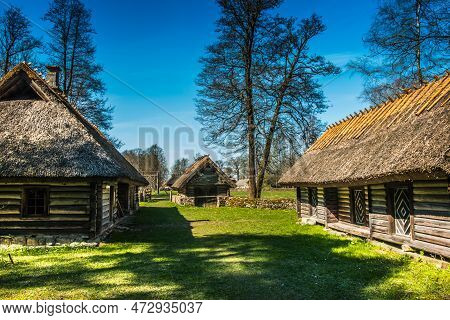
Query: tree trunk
[[418, 40], [251, 127], [266, 153]]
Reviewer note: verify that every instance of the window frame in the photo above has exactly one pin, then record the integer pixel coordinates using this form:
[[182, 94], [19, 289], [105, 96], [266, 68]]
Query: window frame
[[24, 207]]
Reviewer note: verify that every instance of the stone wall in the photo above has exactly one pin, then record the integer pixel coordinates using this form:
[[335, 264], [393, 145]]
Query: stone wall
[[182, 200], [260, 203]]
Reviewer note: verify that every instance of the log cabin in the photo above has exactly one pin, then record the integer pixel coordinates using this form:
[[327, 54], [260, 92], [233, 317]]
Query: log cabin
[[202, 184], [383, 173], [58, 173]]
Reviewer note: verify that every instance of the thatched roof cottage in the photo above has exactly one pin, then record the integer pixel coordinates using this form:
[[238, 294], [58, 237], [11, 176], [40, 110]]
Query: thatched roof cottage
[[383, 173], [203, 183], [58, 173]]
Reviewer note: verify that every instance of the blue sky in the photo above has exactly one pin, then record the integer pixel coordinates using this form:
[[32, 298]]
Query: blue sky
[[150, 50]]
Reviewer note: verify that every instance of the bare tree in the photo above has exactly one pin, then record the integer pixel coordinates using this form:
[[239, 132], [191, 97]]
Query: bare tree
[[259, 81], [71, 47], [237, 163], [147, 161], [16, 41], [409, 42]]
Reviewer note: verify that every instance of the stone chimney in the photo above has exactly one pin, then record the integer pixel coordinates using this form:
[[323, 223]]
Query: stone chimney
[[52, 77]]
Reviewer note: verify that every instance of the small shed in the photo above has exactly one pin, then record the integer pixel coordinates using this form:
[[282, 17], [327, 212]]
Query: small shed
[[59, 174], [202, 184], [383, 173]]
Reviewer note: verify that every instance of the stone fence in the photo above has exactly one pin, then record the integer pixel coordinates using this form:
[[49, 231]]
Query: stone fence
[[241, 202]]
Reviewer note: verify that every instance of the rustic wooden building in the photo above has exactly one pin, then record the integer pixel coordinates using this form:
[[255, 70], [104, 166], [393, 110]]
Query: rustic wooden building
[[203, 183], [383, 173], [58, 173]]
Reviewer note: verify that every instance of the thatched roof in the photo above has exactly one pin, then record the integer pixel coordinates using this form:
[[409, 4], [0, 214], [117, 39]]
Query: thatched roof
[[409, 135], [44, 136], [193, 169], [242, 184], [171, 181]]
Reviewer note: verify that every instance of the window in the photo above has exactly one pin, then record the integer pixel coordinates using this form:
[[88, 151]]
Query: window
[[35, 202]]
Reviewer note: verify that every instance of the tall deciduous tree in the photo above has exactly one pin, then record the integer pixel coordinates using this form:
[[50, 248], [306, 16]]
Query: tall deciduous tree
[[71, 47], [408, 42], [179, 167], [259, 82], [16, 41]]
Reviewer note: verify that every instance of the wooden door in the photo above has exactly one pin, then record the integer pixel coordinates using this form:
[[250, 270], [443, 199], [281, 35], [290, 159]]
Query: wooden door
[[359, 207], [401, 209], [312, 195]]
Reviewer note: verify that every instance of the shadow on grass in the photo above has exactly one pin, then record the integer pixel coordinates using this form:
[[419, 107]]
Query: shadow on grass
[[173, 264]]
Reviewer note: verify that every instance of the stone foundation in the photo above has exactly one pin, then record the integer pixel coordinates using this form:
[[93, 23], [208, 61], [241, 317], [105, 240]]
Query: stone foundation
[[46, 240]]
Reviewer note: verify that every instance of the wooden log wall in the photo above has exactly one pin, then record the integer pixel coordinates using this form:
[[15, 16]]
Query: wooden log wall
[[377, 208], [69, 209], [331, 204], [321, 208], [432, 212], [304, 205], [222, 190], [106, 219], [344, 204]]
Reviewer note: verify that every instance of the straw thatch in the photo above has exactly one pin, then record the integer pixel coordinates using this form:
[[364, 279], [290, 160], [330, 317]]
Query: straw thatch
[[48, 138], [193, 169], [404, 136]]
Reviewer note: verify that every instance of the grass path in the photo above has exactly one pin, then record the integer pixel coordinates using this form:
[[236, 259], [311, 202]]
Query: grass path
[[224, 253]]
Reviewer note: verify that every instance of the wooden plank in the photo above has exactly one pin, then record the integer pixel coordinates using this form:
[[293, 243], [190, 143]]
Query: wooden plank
[[378, 216], [10, 195], [382, 223], [432, 215], [433, 231], [69, 195], [431, 183], [381, 199], [10, 202], [69, 202], [350, 228], [9, 211], [430, 191], [432, 206], [4, 189], [69, 189], [69, 210], [432, 239], [379, 229], [426, 222], [432, 248]]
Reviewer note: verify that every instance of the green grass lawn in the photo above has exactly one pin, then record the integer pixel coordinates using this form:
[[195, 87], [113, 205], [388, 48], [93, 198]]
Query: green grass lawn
[[220, 253], [268, 194]]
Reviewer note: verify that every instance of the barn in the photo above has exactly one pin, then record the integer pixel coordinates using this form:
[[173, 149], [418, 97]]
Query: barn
[[383, 173], [59, 175], [202, 184]]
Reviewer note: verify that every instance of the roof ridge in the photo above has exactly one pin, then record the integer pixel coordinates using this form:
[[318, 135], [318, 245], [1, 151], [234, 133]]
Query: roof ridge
[[389, 99]]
